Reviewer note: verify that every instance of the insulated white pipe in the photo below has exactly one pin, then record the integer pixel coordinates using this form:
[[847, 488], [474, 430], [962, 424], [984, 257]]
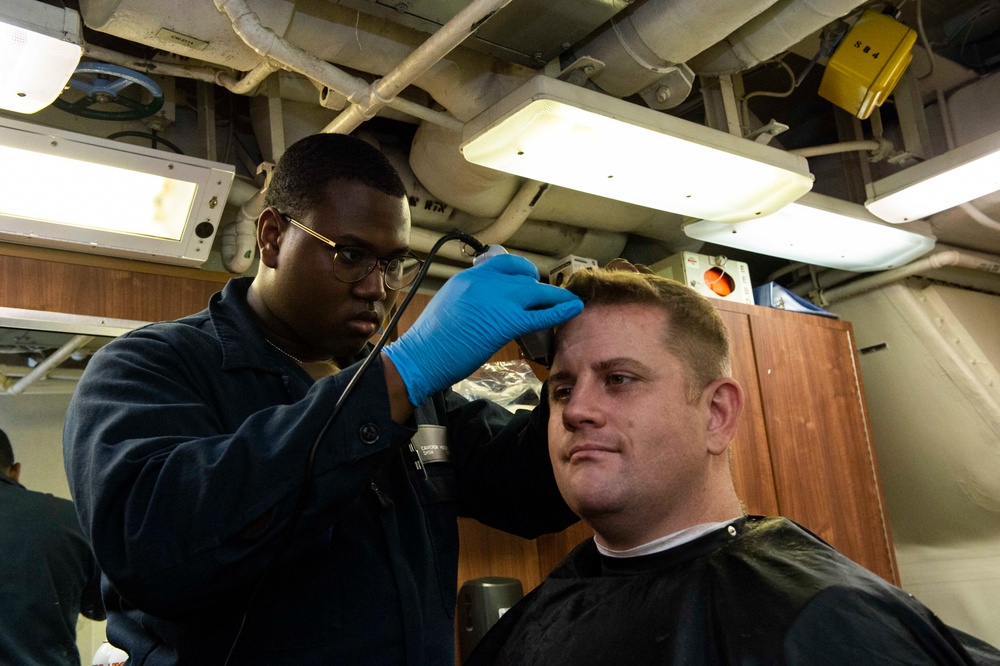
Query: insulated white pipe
[[52, 361], [442, 271], [640, 44], [775, 30], [238, 240], [264, 41], [206, 74], [241, 86], [958, 258], [514, 215], [979, 216], [249, 81], [465, 82], [383, 91]]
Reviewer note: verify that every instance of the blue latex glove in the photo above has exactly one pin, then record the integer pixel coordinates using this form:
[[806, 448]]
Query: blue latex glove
[[473, 315]]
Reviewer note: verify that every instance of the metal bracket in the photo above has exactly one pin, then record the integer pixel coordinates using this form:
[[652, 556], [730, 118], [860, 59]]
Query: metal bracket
[[581, 70], [765, 133], [671, 89]]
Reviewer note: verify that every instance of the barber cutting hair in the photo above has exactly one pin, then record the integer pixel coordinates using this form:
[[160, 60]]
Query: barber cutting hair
[[243, 510]]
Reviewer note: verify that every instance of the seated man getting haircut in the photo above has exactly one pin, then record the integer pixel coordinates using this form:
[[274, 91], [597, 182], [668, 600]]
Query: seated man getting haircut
[[643, 409]]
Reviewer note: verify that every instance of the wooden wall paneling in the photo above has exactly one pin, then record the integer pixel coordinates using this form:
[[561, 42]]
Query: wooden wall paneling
[[751, 457], [822, 454], [41, 284], [489, 552]]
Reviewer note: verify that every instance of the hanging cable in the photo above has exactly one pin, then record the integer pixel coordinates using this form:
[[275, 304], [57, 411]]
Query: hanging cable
[[153, 137], [923, 40]]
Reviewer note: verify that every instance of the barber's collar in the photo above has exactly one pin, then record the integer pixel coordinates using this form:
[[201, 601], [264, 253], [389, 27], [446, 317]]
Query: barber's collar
[[667, 542]]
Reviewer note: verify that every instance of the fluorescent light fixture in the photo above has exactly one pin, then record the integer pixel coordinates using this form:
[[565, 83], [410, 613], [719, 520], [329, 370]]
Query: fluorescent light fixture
[[820, 230], [87, 194], [952, 178], [563, 134], [40, 47]]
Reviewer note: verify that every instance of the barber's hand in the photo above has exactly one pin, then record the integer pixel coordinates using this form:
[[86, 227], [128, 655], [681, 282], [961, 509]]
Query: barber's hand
[[473, 315]]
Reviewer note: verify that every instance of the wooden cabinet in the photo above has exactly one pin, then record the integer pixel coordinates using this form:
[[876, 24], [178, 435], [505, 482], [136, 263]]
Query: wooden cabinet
[[805, 450]]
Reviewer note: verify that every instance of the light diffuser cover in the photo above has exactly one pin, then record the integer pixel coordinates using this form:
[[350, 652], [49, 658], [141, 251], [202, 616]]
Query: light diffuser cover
[[83, 193], [952, 178], [820, 230], [40, 47], [570, 136]]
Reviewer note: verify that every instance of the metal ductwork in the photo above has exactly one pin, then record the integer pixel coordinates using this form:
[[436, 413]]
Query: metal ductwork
[[641, 47], [774, 30], [649, 48]]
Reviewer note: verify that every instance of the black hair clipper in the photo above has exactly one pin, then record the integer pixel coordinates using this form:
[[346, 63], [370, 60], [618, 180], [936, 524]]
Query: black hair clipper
[[537, 345]]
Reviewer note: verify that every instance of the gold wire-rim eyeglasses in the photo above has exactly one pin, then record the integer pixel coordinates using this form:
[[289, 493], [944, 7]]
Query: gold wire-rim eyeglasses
[[397, 272]]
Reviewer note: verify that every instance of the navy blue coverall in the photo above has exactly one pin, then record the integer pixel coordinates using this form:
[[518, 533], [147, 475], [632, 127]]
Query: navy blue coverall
[[186, 444]]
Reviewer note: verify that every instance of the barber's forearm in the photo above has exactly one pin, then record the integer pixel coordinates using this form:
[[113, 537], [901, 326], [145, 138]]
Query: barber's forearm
[[399, 400]]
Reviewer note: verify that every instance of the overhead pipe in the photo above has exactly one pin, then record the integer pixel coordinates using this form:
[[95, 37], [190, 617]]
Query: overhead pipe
[[510, 220], [979, 216], [639, 45], [243, 85], [442, 271], [464, 82], [50, 362], [237, 240], [268, 44], [842, 147], [514, 215], [777, 29], [947, 258], [384, 90]]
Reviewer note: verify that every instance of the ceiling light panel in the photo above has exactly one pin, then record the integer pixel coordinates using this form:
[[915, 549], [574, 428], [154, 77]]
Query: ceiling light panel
[[40, 47], [563, 134], [823, 231], [88, 194], [952, 178]]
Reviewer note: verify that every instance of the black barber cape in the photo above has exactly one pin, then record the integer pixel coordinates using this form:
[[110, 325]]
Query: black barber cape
[[758, 591]]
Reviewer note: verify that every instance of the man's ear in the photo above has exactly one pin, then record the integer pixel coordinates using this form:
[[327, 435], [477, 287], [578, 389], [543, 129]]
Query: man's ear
[[15, 471], [725, 403], [270, 228]]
